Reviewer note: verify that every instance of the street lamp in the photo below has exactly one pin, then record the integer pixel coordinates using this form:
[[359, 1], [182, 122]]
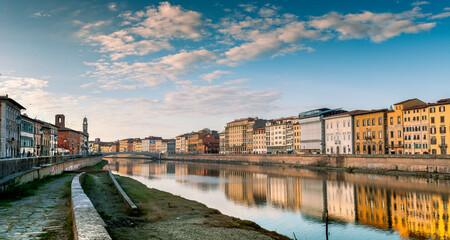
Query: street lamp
[[18, 122]]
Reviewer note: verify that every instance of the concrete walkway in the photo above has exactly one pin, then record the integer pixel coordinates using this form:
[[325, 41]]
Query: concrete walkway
[[43, 213]]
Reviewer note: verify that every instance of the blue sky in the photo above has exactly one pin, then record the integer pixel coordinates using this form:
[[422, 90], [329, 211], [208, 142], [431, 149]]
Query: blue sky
[[139, 68]]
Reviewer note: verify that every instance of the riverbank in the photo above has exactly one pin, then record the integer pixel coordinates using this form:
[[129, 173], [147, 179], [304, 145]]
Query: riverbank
[[162, 215], [428, 166]]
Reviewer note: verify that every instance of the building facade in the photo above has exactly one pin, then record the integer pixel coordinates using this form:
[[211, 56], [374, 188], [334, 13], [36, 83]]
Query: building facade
[[10, 120], [27, 137], [370, 132], [312, 129], [339, 133], [236, 135], [415, 130], [439, 113], [395, 128], [259, 140]]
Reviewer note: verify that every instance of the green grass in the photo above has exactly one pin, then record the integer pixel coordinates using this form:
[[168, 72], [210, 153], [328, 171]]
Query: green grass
[[98, 166]]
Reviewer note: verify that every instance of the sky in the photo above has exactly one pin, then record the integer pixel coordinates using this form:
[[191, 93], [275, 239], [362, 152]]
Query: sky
[[163, 68]]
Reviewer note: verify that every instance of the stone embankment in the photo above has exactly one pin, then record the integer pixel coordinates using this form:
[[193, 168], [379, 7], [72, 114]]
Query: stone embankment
[[87, 223], [410, 163], [56, 166]]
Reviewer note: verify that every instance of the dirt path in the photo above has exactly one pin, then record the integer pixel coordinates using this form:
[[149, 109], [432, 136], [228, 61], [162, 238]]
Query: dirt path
[[39, 216], [163, 215]]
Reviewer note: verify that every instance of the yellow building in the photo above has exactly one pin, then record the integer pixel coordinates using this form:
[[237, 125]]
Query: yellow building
[[297, 137], [395, 125], [416, 130], [236, 140], [370, 132], [439, 114], [123, 145], [105, 148], [137, 145]]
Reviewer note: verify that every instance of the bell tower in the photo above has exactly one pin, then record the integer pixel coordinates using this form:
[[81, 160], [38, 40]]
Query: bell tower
[[60, 120], [85, 126]]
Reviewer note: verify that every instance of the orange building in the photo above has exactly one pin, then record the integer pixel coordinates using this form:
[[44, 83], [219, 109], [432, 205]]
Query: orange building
[[416, 130], [370, 132], [395, 125]]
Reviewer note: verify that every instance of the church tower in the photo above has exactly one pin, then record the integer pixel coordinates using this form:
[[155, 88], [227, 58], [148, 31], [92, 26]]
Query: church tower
[[85, 126]]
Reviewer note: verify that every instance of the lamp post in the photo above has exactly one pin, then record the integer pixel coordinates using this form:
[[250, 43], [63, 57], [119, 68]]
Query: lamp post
[[18, 122]]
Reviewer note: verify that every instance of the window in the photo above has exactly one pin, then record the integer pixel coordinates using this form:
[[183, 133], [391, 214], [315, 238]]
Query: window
[[442, 129], [373, 122], [432, 119], [432, 110], [364, 122], [380, 121], [357, 123], [433, 140], [399, 133], [433, 130], [392, 134], [399, 120], [380, 134], [442, 119], [442, 109], [357, 136], [391, 120]]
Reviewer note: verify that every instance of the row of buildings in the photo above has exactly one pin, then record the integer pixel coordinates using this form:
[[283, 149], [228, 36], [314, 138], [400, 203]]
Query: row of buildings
[[203, 141], [408, 127], [22, 136]]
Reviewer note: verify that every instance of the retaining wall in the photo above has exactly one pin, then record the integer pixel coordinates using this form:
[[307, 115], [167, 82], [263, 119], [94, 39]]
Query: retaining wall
[[46, 170], [421, 163], [15, 165], [87, 223], [126, 200]]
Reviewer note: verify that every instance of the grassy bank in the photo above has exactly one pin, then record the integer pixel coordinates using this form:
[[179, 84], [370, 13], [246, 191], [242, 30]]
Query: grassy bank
[[163, 215]]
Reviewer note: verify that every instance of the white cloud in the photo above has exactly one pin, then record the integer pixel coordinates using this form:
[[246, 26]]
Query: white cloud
[[219, 100], [447, 9], [112, 7], [441, 15], [122, 75], [166, 21], [237, 81], [248, 7], [209, 77], [377, 27], [40, 14], [140, 100], [86, 85], [418, 3]]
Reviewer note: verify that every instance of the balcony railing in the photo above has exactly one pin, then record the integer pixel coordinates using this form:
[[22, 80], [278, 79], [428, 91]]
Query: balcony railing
[[443, 146]]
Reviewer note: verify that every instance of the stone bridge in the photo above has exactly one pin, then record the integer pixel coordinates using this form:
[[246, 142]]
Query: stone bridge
[[147, 154]]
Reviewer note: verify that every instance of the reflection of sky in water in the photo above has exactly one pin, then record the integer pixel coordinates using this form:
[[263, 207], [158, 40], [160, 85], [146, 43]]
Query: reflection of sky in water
[[210, 191]]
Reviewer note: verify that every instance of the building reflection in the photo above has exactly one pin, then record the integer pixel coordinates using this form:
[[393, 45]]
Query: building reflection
[[413, 214]]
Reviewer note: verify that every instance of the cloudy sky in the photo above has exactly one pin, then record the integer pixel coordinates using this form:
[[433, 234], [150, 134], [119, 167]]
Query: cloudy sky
[[140, 68]]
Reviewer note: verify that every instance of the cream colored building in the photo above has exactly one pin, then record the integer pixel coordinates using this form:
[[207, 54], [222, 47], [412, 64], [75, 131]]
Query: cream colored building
[[236, 139], [416, 130], [180, 144], [280, 135], [259, 140]]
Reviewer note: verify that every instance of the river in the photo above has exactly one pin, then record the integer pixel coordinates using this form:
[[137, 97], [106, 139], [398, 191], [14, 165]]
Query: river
[[294, 200]]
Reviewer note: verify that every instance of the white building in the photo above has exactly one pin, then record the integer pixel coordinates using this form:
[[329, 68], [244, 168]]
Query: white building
[[27, 137], [280, 135], [339, 133], [54, 140], [146, 145], [312, 129], [259, 140], [180, 144], [10, 120], [168, 146]]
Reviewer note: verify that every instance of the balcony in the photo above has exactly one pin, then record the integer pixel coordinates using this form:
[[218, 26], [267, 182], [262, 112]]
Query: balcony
[[443, 146], [337, 142]]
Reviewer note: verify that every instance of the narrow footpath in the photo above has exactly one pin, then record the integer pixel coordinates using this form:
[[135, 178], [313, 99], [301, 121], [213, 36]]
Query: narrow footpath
[[42, 215]]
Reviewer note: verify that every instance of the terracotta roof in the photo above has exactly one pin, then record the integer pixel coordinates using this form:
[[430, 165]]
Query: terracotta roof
[[351, 113], [407, 101], [417, 107], [440, 102], [371, 111]]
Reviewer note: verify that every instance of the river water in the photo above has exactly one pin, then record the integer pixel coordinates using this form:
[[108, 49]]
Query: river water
[[294, 200]]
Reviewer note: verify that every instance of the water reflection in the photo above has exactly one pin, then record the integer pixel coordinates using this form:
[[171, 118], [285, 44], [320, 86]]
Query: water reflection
[[402, 207]]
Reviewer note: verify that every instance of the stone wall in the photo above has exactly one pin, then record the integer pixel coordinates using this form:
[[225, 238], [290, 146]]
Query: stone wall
[[15, 165], [422, 163], [46, 170]]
